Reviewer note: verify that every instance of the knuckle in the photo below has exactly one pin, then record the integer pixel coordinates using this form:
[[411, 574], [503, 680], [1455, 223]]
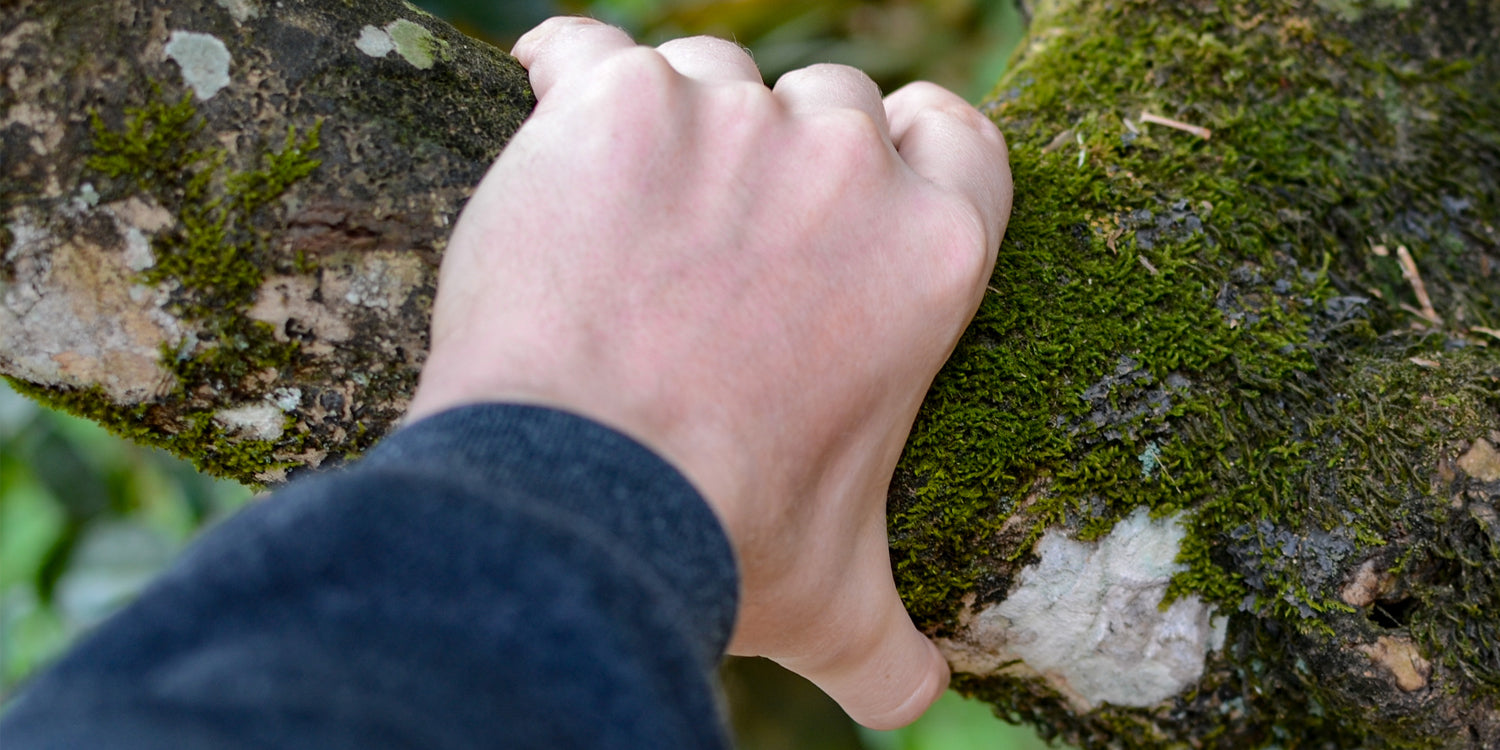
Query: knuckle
[[639, 63], [925, 91], [849, 141], [957, 112], [638, 74], [851, 125], [834, 75], [962, 240], [702, 43]]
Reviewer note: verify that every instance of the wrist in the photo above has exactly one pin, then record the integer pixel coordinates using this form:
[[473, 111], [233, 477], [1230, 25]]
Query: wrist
[[680, 434]]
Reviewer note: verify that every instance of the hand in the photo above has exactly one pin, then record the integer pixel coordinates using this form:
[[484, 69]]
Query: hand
[[760, 284]]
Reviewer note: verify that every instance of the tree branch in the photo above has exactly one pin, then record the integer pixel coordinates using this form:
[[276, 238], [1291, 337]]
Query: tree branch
[[223, 220]]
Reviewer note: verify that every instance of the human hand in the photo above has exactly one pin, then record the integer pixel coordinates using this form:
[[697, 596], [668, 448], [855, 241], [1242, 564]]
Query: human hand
[[760, 284]]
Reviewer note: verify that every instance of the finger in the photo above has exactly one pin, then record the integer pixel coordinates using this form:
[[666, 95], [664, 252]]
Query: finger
[[951, 144], [565, 46], [709, 58], [827, 86], [886, 675]]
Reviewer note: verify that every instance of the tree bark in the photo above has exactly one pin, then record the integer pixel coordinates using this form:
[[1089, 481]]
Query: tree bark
[[1215, 466], [224, 219]]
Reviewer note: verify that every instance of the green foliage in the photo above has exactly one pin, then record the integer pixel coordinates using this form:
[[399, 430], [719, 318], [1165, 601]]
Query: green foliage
[[85, 520], [961, 44]]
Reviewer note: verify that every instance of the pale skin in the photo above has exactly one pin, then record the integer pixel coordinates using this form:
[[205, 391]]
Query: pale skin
[[759, 284]]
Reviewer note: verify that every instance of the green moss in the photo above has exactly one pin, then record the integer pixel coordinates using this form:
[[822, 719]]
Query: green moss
[[1083, 355], [194, 435], [157, 143], [253, 190], [240, 348], [1217, 303], [214, 252], [211, 258]]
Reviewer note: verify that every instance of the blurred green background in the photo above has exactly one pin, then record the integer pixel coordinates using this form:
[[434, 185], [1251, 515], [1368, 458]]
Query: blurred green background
[[87, 519], [961, 44]]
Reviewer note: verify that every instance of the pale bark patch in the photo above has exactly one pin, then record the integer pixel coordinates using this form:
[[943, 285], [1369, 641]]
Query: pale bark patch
[[1481, 461], [1401, 660], [74, 316]]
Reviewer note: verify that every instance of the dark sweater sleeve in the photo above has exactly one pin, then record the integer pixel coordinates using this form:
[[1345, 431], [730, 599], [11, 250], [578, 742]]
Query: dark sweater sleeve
[[494, 576]]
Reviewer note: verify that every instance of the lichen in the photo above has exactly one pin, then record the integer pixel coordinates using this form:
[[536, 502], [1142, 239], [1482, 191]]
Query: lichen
[[240, 10], [412, 41], [204, 61]]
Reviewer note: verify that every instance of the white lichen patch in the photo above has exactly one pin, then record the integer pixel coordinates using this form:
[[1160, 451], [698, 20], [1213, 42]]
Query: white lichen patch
[[240, 10], [380, 280], [137, 220], [1087, 619], [86, 198], [375, 42], [286, 399], [259, 421], [138, 256], [412, 41], [204, 61]]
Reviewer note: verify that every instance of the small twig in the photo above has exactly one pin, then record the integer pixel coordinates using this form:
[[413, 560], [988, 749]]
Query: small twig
[[1083, 151], [1409, 271], [1417, 311], [1424, 362], [1492, 333], [1201, 132], [1148, 265], [1058, 141]]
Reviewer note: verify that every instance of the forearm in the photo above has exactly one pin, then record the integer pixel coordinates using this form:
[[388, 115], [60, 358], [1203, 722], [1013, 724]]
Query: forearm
[[496, 575]]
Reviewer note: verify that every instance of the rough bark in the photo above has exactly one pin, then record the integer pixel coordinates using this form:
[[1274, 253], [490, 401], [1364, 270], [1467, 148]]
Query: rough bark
[[240, 273], [1215, 466]]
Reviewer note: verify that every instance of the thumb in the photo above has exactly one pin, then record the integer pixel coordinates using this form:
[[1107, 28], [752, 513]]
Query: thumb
[[884, 677]]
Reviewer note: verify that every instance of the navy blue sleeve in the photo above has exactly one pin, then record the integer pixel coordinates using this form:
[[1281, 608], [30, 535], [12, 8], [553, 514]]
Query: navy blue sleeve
[[494, 576]]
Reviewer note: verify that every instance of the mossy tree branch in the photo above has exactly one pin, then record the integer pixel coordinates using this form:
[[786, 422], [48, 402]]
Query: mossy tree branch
[[223, 219], [1279, 340]]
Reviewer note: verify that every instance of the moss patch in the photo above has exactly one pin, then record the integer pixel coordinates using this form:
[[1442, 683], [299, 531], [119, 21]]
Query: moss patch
[[197, 436], [213, 251], [212, 259], [1223, 307]]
